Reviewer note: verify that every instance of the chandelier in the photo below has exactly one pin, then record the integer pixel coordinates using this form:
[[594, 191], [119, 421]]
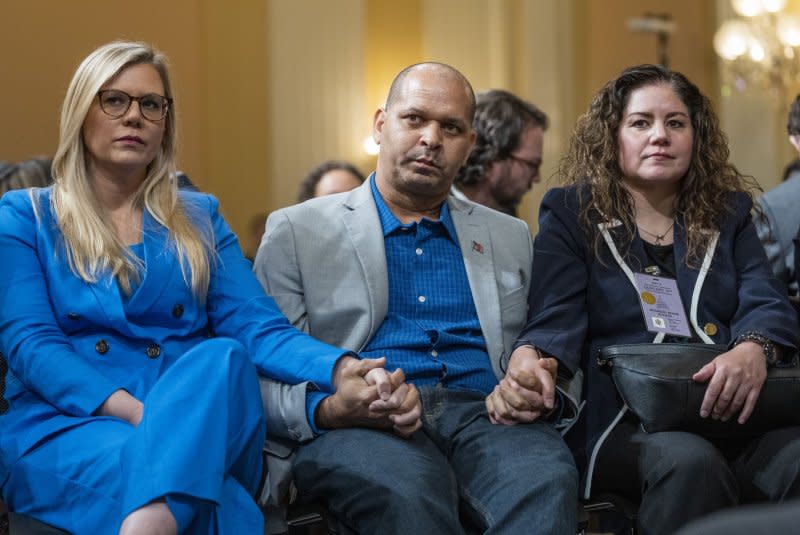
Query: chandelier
[[760, 48]]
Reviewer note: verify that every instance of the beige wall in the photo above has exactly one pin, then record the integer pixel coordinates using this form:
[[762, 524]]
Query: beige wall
[[235, 93], [43, 41], [268, 88], [218, 53], [609, 46], [316, 108]]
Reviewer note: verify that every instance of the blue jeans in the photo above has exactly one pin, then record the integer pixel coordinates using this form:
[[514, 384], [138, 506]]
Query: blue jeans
[[504, 479]]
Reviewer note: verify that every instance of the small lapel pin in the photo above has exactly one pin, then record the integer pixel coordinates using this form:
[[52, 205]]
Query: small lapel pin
[[477, 247], [653, 270]]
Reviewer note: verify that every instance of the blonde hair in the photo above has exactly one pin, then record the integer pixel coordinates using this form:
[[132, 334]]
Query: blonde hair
[[92, 247]]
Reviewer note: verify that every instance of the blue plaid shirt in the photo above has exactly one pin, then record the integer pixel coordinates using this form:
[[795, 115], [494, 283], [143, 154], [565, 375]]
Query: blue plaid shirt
[[431, 329]]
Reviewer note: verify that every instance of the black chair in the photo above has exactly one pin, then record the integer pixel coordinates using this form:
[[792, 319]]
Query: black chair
[[26, 174], [310, 519], [12, 523], [25, 525], [604, 503], [3, 371]]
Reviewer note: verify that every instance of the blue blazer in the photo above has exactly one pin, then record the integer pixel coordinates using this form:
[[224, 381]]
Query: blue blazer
[[70, 344], [578, 304]]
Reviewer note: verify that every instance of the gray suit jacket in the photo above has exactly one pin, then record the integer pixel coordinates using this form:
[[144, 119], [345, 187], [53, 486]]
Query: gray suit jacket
[[324, 263], [777, 226]]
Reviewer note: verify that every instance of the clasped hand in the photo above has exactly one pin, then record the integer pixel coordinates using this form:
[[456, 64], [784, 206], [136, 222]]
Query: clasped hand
[[527, 390], [735, 379], [367, 395]]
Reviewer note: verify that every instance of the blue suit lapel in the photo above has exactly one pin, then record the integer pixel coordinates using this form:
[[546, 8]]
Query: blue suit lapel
[[161, 267], [109, 300]]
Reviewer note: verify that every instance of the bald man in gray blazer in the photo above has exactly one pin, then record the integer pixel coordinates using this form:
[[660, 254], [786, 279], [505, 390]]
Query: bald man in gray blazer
[[324, 263], [400, 269]]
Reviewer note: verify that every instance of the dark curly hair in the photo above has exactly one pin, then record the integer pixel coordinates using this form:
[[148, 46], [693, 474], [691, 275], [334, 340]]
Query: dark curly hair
[[500, 119], [309, 183], [793, 122], [592, 162]]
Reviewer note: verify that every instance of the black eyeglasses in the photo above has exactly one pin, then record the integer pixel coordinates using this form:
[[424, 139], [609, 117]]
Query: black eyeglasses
[[116, 103], [532, 167]]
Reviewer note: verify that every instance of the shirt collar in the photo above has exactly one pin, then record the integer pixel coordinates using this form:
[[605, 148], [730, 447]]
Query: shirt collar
[[390, 223]]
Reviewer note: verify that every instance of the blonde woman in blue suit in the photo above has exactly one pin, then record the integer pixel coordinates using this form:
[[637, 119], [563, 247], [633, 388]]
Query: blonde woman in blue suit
[[131, 323]]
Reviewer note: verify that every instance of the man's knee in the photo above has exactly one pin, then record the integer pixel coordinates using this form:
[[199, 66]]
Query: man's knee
[[550, 454], [397, 472]]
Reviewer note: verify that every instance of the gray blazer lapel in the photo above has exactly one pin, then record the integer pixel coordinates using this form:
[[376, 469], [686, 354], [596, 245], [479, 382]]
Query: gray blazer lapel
[[365, 233], [476, 248]]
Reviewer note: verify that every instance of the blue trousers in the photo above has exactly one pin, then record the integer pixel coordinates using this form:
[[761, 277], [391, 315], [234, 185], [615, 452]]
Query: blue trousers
[[198, 446], [517, 479]]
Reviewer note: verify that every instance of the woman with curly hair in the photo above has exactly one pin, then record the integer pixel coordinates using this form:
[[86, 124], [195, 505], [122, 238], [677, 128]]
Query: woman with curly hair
[[650, 193]]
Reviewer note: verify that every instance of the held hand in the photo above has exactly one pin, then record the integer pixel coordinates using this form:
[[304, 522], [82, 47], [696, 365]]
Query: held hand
[[735, 381], [380, 378], [349, 405], [120, 404], [527, 390], [357, 384], [507, 407], [408, 416], [402, 403]]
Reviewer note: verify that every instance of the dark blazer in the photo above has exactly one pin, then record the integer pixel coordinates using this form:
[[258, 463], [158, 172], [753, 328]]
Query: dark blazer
[[579, 304]]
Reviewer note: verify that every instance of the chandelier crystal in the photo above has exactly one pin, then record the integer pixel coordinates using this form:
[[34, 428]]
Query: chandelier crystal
[[760, 48]]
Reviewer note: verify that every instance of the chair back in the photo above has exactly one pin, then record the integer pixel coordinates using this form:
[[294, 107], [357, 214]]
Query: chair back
[[3, 370]]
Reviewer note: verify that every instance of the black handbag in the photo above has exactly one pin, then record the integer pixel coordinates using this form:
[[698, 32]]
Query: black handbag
[[655, 382]]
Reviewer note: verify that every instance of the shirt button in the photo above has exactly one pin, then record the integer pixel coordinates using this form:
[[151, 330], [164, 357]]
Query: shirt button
[[418, 251], [434, 353], [153, 351], [101, 347], [73, 316], [177, 311], [421, 298]]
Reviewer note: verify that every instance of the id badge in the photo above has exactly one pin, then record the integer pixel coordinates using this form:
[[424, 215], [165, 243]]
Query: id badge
[[662, 306]]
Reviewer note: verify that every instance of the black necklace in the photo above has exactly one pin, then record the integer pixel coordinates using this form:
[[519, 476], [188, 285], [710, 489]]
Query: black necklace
[[659, 237]]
